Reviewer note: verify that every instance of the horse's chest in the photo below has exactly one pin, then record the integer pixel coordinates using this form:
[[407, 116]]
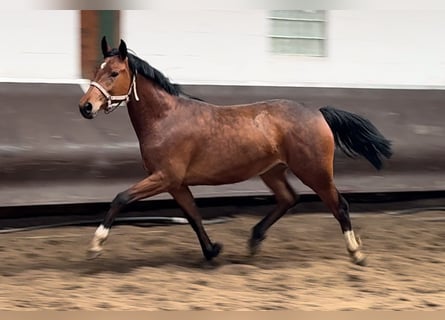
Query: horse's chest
[[165, 151], [154, 153]]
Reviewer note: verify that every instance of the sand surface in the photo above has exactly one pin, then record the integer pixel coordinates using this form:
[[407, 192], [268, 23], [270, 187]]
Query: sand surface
[[303, 265]]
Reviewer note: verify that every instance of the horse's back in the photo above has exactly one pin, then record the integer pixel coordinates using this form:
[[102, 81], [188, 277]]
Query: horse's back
[[280, 114], [274, 106], [299, 131], [234, 143]]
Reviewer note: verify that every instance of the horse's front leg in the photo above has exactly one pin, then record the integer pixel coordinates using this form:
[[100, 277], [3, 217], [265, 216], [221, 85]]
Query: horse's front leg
[[150, 186], [184, 198]]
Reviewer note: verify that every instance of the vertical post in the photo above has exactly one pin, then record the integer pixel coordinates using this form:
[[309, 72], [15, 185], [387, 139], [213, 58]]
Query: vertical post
[[95, 24]]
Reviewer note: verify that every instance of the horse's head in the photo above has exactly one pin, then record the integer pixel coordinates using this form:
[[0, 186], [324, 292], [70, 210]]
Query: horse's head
[[112, 83]]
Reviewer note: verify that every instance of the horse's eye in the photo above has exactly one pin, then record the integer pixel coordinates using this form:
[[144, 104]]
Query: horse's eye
[[114, 74]]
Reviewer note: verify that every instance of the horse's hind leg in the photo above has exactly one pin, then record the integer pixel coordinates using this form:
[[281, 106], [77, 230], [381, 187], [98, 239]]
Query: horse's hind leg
[[184, 198], [286, 198], [340, 208]]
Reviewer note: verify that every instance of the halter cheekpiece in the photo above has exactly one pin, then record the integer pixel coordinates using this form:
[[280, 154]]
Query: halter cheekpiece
[[115, 101]]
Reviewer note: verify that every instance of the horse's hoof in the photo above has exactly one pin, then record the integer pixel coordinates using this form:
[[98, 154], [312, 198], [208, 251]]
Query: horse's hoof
[[255, 245], [216, 249], [214, 252], [359, 259], [93, 254]]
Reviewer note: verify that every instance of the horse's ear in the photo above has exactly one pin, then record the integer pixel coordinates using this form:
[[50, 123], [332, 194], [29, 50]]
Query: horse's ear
[[122, 50], [105, 47]]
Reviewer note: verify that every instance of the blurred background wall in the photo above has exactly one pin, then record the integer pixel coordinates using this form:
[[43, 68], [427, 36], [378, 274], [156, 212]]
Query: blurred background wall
[[50, 154], [39, 45], [353, 48]]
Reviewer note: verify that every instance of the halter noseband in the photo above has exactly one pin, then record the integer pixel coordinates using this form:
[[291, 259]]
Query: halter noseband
[[115, 101]]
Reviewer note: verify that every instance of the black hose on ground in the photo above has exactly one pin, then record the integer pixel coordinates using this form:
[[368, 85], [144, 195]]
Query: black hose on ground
[[154, 221]]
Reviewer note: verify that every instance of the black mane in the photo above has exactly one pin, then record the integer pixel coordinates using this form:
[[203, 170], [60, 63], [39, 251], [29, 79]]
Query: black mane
[[143, 68], [139, 66]]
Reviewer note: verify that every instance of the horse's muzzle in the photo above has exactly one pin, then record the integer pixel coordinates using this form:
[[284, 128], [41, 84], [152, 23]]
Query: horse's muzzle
[[87, 110]]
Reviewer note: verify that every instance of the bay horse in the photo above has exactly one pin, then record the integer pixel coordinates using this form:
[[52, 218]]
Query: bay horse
[[185, 141]]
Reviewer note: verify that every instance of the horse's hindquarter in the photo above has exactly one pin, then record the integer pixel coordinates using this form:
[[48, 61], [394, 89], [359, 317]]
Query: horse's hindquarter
[[235, 143]]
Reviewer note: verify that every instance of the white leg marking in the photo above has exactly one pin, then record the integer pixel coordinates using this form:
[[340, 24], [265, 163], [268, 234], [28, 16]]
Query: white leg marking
[[354, 248], [351, 242], [100, 236], [102, 232]]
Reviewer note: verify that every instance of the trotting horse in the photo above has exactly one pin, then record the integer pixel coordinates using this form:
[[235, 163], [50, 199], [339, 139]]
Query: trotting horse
[[184, 142]]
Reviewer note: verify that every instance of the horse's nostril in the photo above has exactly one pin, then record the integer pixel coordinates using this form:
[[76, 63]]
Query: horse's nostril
[[88, 107], [86, 110]]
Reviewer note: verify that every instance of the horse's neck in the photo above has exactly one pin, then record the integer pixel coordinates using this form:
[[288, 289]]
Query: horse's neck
[[154, 104]]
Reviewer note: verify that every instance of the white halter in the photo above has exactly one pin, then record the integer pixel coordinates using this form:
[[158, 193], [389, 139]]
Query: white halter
[[115, 101]]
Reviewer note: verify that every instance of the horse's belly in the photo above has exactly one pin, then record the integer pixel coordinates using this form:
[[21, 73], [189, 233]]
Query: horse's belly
[[228, 171], [236, 152]]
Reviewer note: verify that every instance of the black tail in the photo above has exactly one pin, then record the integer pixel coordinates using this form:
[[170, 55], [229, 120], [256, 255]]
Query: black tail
[[355, 135]]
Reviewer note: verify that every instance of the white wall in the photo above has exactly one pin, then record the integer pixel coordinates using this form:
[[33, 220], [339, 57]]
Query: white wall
[[198, 46], [40, 45], [388, 47], [365, 48], [393, 48]]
